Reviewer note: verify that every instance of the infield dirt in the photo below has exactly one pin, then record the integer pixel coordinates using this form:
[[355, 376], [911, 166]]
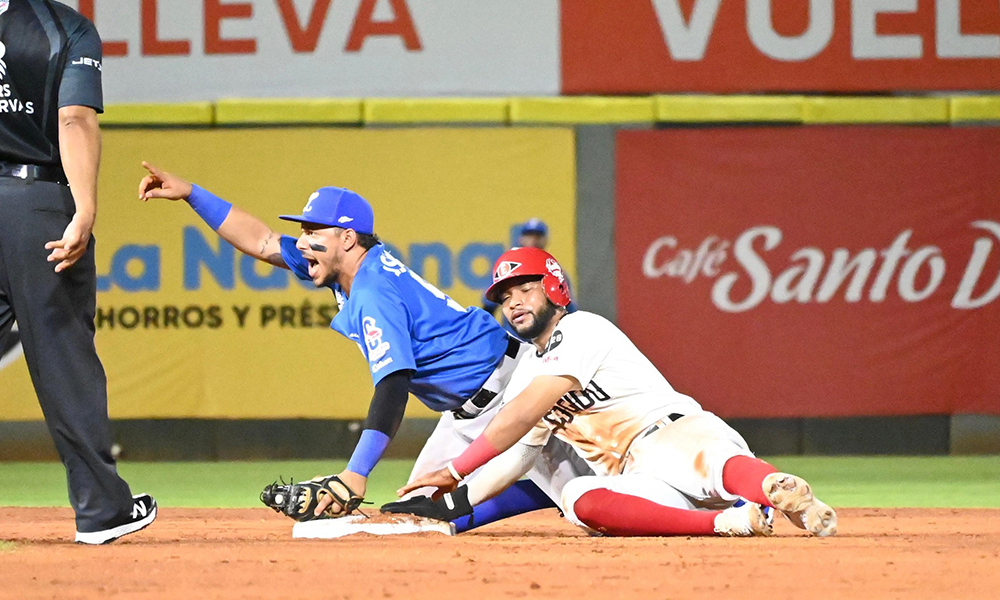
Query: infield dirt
[[249, 553]]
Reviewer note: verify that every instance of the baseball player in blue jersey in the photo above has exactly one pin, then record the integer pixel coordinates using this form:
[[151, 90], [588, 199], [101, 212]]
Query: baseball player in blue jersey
[[457, 361]]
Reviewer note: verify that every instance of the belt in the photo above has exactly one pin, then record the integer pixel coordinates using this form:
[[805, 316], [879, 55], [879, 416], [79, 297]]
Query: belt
[[33, 173], [481, 399], [656, 426]]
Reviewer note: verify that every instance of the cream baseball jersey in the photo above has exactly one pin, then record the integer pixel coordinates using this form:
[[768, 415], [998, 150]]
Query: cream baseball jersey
[[621, 393]]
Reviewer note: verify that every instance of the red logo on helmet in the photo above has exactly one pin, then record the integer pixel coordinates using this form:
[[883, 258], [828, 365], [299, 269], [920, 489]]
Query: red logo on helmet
[[504, 269]]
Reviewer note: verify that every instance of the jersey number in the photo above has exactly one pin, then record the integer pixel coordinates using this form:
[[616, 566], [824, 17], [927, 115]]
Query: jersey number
[[391, 263]]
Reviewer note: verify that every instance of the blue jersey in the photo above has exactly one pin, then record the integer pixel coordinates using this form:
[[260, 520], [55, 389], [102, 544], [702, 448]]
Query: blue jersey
[[402, 322]]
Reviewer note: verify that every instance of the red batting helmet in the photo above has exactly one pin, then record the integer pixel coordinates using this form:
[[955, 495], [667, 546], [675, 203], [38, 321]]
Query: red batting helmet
[[527, 262]]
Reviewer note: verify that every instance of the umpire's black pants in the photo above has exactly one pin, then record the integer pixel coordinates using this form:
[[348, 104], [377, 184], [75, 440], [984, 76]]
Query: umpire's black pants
[[55, 319]]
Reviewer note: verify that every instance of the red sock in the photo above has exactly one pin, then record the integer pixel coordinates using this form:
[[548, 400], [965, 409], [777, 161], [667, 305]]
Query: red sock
[[617, 514], [744, 476]]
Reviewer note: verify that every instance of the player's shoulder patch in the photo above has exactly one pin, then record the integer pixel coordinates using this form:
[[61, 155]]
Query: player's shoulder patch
[[377, 347], [554, 340]]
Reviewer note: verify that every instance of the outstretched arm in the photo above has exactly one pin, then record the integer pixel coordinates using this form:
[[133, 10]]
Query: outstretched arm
[[384, 416], [510, 424], [241, 229], [501, 472]]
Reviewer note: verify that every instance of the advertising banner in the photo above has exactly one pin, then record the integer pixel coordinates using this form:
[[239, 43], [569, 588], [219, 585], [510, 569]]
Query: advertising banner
[[189, 327], [186, 50], [801, 272], [650, 46]]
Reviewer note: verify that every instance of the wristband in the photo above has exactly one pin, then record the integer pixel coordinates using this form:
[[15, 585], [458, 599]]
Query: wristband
[[454, 473], [479, 452], [368, 452], [212, 209]]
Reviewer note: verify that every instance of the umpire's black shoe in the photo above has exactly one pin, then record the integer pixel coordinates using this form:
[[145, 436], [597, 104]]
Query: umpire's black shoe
[[143, 513]]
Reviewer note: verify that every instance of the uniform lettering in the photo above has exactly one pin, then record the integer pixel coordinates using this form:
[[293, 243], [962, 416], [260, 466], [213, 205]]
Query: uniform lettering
[[573, 403], [88, 62], [13, 105]]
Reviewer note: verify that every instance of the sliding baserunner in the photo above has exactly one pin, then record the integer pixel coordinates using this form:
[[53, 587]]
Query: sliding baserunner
[[664, 466]]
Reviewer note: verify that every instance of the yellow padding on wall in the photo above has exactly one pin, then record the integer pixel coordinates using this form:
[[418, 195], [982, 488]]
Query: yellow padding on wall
[[723, 109], [561, 110], [582, 110], [191, 113], [288, 111], [875, 110], [436, 110], [975, 108]]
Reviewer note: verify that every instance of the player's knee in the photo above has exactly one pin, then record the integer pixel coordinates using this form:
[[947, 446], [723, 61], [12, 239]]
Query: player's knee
[[591, 505], [583, 494]]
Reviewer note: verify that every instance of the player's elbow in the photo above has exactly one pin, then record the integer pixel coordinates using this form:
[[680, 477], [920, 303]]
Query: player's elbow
[[78, 117]]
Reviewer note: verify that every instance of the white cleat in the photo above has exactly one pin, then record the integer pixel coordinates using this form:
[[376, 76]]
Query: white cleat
[[794, 498], [747, 520]]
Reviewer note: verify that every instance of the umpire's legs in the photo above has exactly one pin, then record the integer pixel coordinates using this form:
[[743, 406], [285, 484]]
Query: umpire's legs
[[55, 316]]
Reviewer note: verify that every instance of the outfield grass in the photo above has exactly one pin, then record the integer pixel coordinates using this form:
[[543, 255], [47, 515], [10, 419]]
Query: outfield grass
[[927, 481], [940, 481]]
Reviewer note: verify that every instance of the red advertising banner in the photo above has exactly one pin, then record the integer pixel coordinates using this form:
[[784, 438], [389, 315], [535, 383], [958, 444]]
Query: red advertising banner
[[650, 46], [801, 272]]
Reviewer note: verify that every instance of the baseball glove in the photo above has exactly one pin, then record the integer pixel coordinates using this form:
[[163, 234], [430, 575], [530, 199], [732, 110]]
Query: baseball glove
[[299, 500]]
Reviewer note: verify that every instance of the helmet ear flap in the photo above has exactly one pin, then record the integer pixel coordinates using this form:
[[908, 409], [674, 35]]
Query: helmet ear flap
[[555, 290]]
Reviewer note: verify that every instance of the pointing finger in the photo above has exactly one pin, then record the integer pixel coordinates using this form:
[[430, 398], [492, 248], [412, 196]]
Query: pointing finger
[[152, 169]]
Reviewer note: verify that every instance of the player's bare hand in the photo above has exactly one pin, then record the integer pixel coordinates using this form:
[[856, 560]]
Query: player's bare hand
[[442, 480], [69, 249], [160, 184], [357, 483]]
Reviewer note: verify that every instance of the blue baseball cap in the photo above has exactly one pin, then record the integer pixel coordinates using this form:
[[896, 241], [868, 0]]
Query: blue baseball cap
[[337, 207], [535, 226]]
